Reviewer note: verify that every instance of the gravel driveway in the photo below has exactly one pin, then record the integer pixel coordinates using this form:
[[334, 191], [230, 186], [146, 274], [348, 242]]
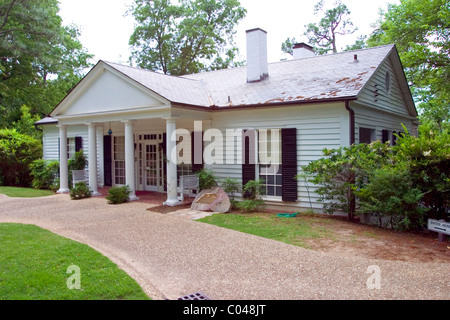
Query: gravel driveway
[[171, 256]]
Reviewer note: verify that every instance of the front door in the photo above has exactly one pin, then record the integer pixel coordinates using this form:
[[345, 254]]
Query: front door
[[153, 169]]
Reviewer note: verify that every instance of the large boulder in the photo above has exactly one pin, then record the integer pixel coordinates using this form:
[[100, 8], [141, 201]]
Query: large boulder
[[214, 199]]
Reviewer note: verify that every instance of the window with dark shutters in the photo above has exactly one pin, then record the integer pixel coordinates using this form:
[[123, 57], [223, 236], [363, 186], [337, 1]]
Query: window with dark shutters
[[289, 164]]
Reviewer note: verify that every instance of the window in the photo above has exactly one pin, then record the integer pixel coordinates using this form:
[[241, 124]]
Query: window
[[119, 160], [70, 148], [367, 135], [269, 161]]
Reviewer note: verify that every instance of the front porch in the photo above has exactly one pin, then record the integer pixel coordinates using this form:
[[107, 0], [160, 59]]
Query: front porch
[[140, 153]]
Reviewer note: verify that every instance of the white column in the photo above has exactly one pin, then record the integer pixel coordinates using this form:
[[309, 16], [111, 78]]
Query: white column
[[63, 161], [129, 159], [172, 199], [93, 183], [100, 156]]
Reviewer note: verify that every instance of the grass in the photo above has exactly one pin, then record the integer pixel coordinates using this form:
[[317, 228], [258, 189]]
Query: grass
[[34, 266], [288, 230], [25, 192]]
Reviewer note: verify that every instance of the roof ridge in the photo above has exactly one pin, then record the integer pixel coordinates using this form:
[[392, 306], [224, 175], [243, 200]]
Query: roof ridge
[[146, 70], [334, 54]]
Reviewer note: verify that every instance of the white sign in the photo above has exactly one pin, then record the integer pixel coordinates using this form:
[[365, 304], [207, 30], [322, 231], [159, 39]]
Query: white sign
[[439, 226]]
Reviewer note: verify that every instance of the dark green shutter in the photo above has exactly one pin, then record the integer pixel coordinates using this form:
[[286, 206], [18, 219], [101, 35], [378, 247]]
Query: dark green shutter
[[248, 157], [289, 164], [107, 159], [78, 143], [197, 151]]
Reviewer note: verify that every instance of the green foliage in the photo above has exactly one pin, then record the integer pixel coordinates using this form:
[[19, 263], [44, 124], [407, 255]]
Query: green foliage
[[207, 179], [390, 194], [322, 35], [77, 162], [185, 37], [403, 185], [117, 195], [81, 191], [343, 170], [420, 30], [253, 191], [44, 174], [231, 186], [428, 160], [41, 60], [17, 153]]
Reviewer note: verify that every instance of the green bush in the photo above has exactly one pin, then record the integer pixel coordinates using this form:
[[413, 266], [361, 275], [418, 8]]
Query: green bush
[[117, 195], [391, 196], [81, 191], [77, 162], [17, 153], [428, 160], [254, 191], [343, 170], [206, 179], [231, 186], [45, 174]]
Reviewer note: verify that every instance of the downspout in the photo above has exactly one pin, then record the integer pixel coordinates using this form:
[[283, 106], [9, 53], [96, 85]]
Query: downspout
[[351, 113], [352, 204]]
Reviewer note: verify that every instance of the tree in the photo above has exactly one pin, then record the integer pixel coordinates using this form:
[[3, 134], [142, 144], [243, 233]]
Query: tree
[[40, 60], [322, 35], [187, 37], [421, 32]]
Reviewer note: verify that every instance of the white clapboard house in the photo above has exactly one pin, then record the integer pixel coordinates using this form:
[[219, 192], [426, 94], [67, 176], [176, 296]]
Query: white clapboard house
[[265, 120]]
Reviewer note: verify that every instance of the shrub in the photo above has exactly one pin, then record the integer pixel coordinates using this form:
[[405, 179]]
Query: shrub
[[254, 190], [77, 162], [80, 191], [206, 179], [231, 187], [428, 160], [391, 196], [17, 152], [117, 195], [343, 170], [44, 174]]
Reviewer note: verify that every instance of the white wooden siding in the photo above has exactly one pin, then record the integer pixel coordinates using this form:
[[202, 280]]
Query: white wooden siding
[[392, 100], [318, 126]]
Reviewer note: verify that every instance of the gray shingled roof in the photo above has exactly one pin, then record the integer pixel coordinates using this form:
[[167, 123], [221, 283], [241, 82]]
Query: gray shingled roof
[[174, 89], [335, 76]]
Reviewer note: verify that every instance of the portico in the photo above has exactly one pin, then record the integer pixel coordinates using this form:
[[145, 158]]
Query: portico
[[131, 133]]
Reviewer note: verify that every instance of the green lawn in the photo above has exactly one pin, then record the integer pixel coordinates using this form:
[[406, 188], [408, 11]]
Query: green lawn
[[34, 265], [289, 230], [25, 192]]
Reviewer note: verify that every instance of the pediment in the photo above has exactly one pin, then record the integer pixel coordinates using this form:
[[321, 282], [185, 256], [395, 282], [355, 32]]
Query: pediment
[[104, 90]]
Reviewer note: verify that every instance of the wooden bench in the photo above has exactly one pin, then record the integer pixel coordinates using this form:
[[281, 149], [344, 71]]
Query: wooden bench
[[80, 176], [188, 184]]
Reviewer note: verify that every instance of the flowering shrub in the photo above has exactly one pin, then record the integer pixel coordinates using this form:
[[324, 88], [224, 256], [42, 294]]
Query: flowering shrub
[[403, 184]]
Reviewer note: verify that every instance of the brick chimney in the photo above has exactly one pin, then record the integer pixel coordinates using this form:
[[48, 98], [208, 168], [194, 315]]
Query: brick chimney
[[257, 68]]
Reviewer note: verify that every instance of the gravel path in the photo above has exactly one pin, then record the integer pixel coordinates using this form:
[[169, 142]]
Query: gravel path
[[171, 256]]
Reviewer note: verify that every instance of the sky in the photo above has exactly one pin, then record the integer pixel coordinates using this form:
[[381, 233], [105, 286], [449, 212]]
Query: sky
[[106, 29]]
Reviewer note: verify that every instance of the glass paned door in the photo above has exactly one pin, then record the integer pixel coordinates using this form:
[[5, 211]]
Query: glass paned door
[[153, 173]]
